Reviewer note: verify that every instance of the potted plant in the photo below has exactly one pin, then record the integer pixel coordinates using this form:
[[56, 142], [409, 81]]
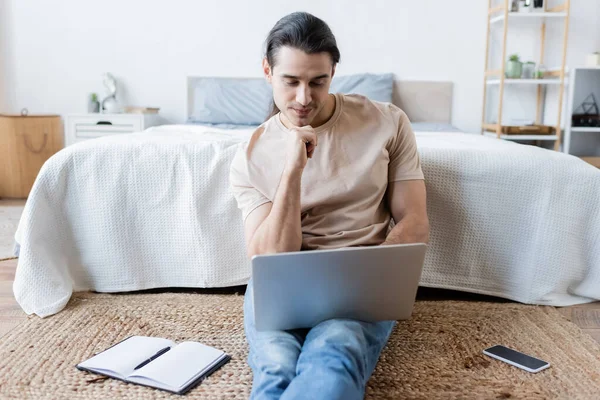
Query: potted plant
[[540, 72], [93, 103], [514, 6], [528, 70], [514, 67]]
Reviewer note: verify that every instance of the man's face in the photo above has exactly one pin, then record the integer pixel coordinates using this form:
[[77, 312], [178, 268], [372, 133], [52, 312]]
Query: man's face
[[300, 83]]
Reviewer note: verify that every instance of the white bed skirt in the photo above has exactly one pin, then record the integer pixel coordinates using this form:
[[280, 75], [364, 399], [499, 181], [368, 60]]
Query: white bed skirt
[[153, 209]]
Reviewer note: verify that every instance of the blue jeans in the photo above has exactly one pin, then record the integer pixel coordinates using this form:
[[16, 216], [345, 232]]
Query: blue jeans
[[333, 360]]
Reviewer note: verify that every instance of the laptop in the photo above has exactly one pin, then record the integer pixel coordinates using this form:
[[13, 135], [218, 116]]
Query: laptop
[[301, 289]]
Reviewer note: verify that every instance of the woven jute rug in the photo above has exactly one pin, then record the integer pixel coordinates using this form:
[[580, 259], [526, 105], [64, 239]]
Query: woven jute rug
[[434, 355]]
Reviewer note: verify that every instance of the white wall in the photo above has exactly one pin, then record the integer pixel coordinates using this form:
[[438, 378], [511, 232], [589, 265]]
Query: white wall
[[4, 61], [53, 54]]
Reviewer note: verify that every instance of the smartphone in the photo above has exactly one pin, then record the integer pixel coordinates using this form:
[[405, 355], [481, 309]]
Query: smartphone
[[516, 358]]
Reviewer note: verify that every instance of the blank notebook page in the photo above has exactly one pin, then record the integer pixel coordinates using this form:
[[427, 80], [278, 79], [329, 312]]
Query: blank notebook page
[[181, 364], [126, 355]]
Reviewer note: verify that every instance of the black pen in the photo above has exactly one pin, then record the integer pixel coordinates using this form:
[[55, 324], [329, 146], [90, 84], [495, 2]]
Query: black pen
[[154, 357]]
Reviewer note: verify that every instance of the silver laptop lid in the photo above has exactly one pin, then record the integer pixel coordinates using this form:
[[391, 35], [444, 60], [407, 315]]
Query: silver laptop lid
[[301, 289]]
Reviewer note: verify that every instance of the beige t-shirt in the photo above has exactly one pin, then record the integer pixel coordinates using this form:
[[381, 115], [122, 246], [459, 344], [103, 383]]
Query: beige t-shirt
[[363, 146]]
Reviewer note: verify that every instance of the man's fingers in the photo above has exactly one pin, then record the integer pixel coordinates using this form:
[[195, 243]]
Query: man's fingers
[[310, 148], [309, 137], [307, 134]]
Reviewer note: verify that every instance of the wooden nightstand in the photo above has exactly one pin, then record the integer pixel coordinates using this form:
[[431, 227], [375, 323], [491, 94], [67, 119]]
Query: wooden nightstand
[[80, 127], [26, 142]]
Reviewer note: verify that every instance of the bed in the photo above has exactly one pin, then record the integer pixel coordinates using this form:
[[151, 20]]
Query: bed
[[153, 209]]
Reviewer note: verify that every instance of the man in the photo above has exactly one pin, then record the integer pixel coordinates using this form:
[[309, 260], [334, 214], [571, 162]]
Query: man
[[324, 171]]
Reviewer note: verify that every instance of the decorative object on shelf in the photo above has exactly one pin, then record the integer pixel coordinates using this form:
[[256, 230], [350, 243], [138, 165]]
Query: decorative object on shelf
[[538, 3], [528, 70], [540, 71], [593, 59], [109, 104], [93, 103], [587, 114], [514, 67], [525, 6], [514, 6]]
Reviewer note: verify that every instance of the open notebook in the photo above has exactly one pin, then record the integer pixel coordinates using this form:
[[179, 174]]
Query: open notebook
[[161, 363]]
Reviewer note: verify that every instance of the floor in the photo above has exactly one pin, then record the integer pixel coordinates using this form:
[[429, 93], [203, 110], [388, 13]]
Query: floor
[[10, 312], [586, 316]]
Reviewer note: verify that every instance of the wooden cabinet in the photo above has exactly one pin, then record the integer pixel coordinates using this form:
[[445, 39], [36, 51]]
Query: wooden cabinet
[[26, 142]]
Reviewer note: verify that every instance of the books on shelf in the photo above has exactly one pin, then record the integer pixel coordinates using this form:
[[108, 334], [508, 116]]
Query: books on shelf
[[140, 110]]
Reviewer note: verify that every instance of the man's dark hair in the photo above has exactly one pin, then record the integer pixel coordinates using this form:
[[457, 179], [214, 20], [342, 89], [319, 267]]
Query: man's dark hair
[[302, 31]]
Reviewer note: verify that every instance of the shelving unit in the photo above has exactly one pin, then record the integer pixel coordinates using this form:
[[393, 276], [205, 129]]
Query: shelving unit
[[524, 82], [521, 137], [582, 141], [583, 129], [496, 77], [516, 15]]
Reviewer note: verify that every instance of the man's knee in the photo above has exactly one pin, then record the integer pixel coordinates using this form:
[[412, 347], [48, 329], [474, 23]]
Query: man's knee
[[277, 355], [339, 345], [346, 332]]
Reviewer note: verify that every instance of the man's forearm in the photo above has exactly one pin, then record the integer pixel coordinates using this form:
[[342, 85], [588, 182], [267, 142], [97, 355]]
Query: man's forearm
[[410, 229], [281, 231]]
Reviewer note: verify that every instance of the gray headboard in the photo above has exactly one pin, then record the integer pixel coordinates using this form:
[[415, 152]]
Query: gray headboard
[[422, 101]]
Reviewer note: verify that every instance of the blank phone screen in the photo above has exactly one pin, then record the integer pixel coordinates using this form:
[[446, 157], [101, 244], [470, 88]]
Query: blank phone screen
[[516, 357]]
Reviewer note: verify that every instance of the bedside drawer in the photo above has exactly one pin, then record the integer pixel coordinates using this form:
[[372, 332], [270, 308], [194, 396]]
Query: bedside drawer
[[86, 130], [97, 126], [82, 127]]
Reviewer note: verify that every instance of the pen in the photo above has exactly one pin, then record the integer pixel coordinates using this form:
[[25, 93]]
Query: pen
[[154, 357]]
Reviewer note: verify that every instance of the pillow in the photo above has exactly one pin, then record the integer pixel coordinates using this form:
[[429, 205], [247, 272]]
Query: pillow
[[237, 101], [377, 87], [248, 101]]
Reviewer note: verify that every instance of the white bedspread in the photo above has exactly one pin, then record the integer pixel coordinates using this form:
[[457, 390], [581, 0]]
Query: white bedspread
[[153, 209]]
